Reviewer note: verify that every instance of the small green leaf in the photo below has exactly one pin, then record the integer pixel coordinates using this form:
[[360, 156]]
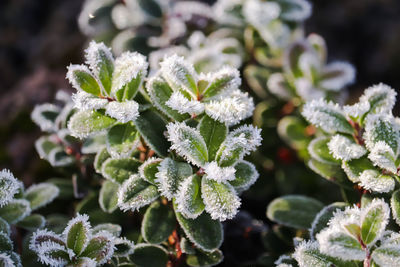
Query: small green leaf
[[82, 79], [65, 187], [99, 248], [108, 198], [318, 149], [5, 242], [204, 232], [41, 194], [245, 176], [93, 144], [224, 79], [201, 258], [188, 199], [160, 92], [322, 218], [44, 145], [121, 140], [381, 128], [32, 222], [381, 98], [123, 247], [151, 127], [4, 226], [100, 158], [136, 193], [119, 170], [395, 205], [77, 233], [214, 133], [15, 210], [151, 7], [355, 167], [59, 158], [386, 255], [113, 229], [220, 199], [149, 169], [84, 123], [374, 219], [330, 172], [158, 223], [149, 255], [293, 131], [294, 211]]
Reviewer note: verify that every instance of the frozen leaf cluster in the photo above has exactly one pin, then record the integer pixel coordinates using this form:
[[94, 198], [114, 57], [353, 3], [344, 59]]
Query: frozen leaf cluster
[[363, 139]]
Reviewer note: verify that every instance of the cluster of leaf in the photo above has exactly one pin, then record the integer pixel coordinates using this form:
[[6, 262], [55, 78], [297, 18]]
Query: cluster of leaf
[[341, 235], [16, 207], [142, 25], [361, 139]]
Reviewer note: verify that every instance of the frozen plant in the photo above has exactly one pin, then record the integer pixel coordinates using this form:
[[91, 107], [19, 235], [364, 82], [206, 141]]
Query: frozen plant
[[363, 138]]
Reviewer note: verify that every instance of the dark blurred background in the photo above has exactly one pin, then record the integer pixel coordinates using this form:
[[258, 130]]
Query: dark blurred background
[[38, 39]]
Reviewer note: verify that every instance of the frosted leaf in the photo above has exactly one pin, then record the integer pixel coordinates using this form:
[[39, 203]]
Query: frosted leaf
[[9, 186], [101, 61], [357, 110], [86, 101], [123, 111], [232, 109], [170, 175], [304, 255], [179, 74], [308, 64], [188, 10], [82, 79], [188, 143], [382, 156], [44, 116], [39, 195], [386, 256], [337, 75], [301, 11], [63, 96], [188, 199], [222, 81], [280, 261], [381, 98], [107, 240], [380, 222], [219, 174], [156, 57], [84, 221], [220, 199], [196, 39], [6, 260], [245, 176], [145, 164], [340, 245], [41, 237], [260, 13], [343, 148], [306, 90], [327, 115], [276, 85], [180, 103], [374, 181], [381, 127], [49, 253], [126, 243], [128, 66]]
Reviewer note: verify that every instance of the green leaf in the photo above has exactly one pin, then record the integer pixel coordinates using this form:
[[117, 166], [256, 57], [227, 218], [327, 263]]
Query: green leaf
[[220, 199], [101, 62], [380, 97], [84, 123], [44, 145], [188, 143], [121, 140], [204, 232], [160, 92], [187, 247], [213, 133], [158, 223], [170, 175], [205, 258], [32, 222], [66, 189], [59, 158], [322, 218], [318, 149], [188, 199], [41, 194], [293, 131], [119, 170], [374, 219], [245, 176], [136, 193], [93, 144], [100, 158], [381, 128], [151, 7], [294, 211], [149, 255], [99, 248], [15, 210], [395, 205], [5, 242], [77, 233], [225, 79], [149, 169], [330, 172], [4, 226], [113, 229], [82, 79], [345, 246], [355, 167], [123, 247], [108, 198], [151, 127], [386, 256]]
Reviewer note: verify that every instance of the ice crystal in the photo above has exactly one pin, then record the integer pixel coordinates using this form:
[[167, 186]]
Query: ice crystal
[[38, 117], [343, 148], [219, 174], [180, 103], [86, 101], [372, 180], [93, 55], [9, 186], [123, 111]]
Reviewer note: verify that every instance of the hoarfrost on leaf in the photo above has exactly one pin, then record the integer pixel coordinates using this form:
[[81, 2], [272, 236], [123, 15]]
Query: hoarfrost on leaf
[[123, 111]]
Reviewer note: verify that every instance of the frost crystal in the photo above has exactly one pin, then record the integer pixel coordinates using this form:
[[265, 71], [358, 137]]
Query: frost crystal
[[219, 174], [357, 110], [260, 13], [166, 175], [86, 101], [84, 219], [372, 180], [72, 80], [336, 83], [226, 72], [48, 254], [382, 155], [109, 246], [180, 103], [128, 66], [9, 186], [184, 197], [381, 126], [343, 148], [123, 111], [146, 163], [302, 251], [377, 204], [6, 260], [38, 116], [378, 93], [93, 53], [232, 109]]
